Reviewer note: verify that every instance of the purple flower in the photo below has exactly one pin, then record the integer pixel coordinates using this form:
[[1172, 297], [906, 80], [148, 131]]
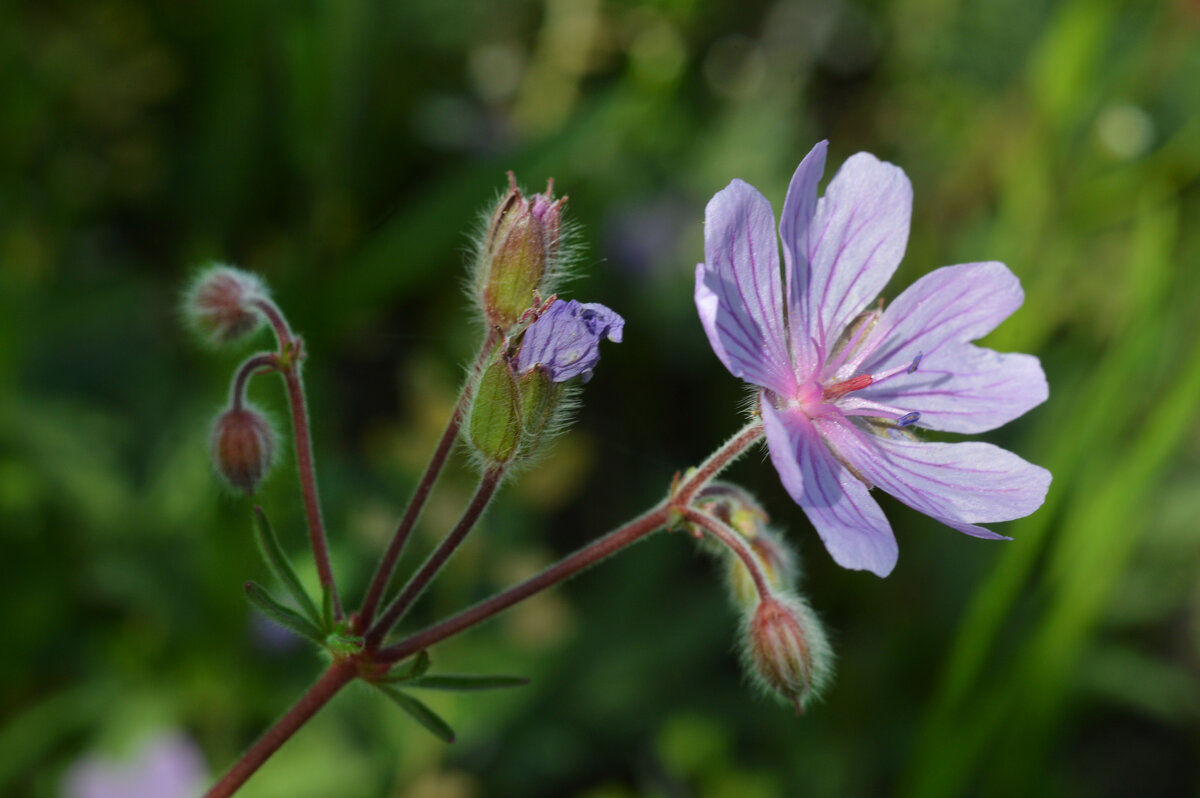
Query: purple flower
[[169, 766], [565, 340], [843, 385]]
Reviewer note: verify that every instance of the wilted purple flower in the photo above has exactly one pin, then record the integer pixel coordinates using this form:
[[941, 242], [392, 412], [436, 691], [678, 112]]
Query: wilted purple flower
[[565, 340], [843, 385], [170, 766]]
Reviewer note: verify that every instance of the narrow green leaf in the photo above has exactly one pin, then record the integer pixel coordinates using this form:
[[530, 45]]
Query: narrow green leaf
[[465, 681], [419, 665], [284, 616], [278, 562], [419, 712]]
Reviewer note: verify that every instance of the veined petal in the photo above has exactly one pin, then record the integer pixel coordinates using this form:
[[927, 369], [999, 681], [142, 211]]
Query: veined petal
[[795, 227], [951, 305], [965, 388], [849, 521], [738, 289], [855, 243], [958, 484]]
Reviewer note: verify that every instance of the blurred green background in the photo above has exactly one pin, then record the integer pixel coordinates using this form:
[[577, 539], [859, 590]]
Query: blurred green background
[[343, 150]]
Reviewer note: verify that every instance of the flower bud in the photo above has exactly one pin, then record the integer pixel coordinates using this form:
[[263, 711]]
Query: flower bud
[[243, 447], [785, 649], [520, 254], [540, 400], [220, 303], [565, 339], [494, 427]]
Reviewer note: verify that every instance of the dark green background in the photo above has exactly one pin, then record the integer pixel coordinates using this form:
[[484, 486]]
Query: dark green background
[[344, 150]]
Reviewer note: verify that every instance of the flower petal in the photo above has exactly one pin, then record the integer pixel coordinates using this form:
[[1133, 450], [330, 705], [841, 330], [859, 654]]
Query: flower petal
[[795, 226], [965, 388], [738, 289], [958, 484], [850, 522], [950, 305], [856, 241]]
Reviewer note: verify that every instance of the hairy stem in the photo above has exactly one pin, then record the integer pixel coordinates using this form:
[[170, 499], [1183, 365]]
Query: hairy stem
[[421, 579], [717, 462], [734, 542], [387, 564], [565, 568], [308, 485], [333, 680], [255, 364]]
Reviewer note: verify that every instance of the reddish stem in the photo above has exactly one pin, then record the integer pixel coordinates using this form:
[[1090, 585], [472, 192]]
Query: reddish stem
[[586, 557], [251, 366], [717, 462], [387, 564], [333, 680], [421, 579], [733, 541], [308, 485]]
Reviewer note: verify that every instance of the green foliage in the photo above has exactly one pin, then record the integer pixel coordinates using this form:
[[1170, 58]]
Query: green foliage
[[420, 713], [282, 615], [280, 566]]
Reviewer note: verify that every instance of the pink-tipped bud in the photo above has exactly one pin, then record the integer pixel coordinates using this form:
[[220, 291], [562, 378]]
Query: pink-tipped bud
[[786, 649], [243, 447], [520, 255], [221, 303]]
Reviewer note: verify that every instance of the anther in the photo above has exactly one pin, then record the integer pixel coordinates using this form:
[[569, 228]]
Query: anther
[[907, 419], [916, 362]]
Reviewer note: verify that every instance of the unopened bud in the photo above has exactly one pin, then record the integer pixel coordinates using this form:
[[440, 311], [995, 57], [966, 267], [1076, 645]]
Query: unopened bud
[[243, 447], [540, 398], [220, 303], [734, 505], [786, 649], [520, 254], [565, 339], [494, 427]]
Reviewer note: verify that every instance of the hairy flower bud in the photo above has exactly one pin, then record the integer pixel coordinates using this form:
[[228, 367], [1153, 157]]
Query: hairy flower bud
[[541, 398], [494, 427], [785, 649], [565, 340], [243, 447], [520, 255], [221, 303]]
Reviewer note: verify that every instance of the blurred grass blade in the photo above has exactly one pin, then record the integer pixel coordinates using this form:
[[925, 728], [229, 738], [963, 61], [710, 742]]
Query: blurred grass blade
[[418, 667], [419, 712], [282, 615], [279, 564], [463, 682]]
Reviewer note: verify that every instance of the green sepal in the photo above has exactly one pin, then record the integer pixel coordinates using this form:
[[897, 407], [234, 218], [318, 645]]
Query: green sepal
[[418, 667], [495, 424], [464, 682], [343, 645], [539, 399], [284, 616], [278, 562], [419, 712]]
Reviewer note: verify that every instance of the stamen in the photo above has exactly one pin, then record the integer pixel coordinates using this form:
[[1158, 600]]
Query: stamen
[[840, 389], [908, 418], [916, 362]]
